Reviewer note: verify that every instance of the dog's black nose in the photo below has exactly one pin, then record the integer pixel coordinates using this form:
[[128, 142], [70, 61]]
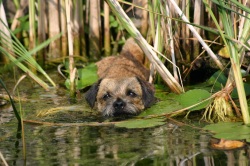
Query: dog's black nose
[[119, 104]]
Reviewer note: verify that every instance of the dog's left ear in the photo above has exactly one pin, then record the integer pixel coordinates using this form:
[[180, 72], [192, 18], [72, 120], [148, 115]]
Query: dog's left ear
[[91, 94], [148, 97]]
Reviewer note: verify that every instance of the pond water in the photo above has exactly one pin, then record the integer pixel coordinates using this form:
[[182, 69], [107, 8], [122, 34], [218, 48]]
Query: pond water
[[73, 136]]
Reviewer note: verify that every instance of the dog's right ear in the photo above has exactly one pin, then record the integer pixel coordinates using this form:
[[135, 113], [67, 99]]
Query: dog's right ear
[[91, 94], [148, 97]]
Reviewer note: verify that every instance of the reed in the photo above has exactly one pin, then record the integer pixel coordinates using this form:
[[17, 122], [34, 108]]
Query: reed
[[13, 48], [32, 29], [76, 24], [54, 28], [232, 44], [3, 160], [41, 31], [72, 70], [107, 47], [95, 29], [64, 39], [4, 30]]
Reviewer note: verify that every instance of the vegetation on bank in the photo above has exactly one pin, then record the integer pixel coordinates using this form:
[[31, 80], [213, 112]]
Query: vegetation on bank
[[178, 38]]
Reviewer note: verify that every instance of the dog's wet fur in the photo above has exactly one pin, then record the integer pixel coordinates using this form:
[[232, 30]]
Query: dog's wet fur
[[122, 88]]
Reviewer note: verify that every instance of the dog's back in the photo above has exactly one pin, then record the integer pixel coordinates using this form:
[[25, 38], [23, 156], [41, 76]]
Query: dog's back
[[131, 47], [128, 64]]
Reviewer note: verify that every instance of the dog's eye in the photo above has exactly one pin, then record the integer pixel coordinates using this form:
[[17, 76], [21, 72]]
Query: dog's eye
[[131, 93], [106, 96]]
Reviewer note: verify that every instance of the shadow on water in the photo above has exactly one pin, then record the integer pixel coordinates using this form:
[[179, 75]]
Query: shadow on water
[[169, 144]]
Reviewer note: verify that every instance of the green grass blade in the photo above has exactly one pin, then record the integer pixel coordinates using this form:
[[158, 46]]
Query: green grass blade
[[237, 4], [45, 43], [234, 57], [25, 69], [12, 102], [20, 50]]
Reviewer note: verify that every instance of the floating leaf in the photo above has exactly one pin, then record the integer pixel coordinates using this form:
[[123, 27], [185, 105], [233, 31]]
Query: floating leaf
[[192, 97], [227, 144], [230, 130], [167, 104], [141, 123]]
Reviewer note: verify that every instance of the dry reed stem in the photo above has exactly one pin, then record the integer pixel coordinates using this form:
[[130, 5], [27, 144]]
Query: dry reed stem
[[72, 69], [171, 44], [4, 30], [63, 29], [107, 48], [19, 13], [71, 124], [192, 29], [58, 109], [3, 159], [54, 28]]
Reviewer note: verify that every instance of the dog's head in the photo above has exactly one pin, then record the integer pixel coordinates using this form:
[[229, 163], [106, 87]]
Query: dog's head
[[120, 96]]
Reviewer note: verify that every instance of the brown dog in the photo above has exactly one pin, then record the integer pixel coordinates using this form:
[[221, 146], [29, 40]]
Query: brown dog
[[123, 87]]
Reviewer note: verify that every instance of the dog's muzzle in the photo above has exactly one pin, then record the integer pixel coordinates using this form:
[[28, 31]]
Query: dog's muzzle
[[119, 104]]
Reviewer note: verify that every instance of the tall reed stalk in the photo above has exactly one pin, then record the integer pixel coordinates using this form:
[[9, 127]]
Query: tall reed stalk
[[234, 58], [64, 39], [170, 36], [4, 30], [76, 20], [192, 29], [41, 31], [54, 28], [95, 29], [72, 70], [32, 28], [229, 38], [107, 48]]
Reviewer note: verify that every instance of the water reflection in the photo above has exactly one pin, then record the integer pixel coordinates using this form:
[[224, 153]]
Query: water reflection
[[82, 145]]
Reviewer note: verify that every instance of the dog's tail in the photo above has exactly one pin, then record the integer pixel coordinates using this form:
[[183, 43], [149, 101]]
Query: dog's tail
[[132, 47]]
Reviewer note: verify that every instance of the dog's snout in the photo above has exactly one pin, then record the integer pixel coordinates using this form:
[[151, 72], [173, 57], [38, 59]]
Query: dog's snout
[[119, 104]]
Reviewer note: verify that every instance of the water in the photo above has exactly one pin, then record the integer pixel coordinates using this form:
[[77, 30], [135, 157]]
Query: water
[[68, 140]]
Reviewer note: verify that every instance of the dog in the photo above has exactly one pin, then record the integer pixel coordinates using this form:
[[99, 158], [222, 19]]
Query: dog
[[122, 88]]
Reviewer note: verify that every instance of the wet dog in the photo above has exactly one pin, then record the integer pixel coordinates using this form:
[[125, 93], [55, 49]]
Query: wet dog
[[122, 88]]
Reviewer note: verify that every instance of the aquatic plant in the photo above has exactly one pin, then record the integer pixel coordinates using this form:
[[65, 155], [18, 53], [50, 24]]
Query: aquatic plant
[[235, 41], [14, 50]]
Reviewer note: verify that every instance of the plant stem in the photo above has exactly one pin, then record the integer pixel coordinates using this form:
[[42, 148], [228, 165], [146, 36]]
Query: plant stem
[[70, 45], [76, 27], [64, 41], [32, 30], [95, 26], [4, 29], [107, 49], [235, 63], [241, 91], [192, 29]]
